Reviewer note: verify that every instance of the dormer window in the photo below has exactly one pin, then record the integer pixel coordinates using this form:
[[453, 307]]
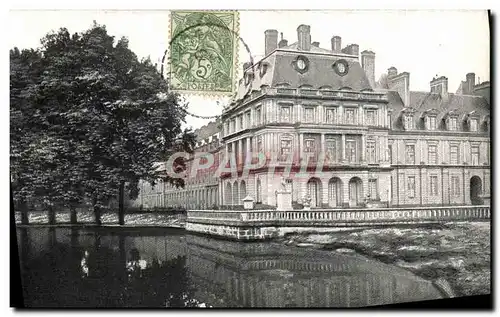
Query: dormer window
[[485, 125], [473, 125], [452, 124], [263, 68], [408, 121], [430, 119], [249, 76], [431, 123]]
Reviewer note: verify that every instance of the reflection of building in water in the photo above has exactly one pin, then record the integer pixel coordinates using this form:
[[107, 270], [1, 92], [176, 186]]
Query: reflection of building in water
[[231, 274], [271, 275], [300, 278]]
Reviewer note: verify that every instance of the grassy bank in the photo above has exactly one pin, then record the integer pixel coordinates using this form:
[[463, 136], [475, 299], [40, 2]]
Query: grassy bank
[[87, 217], [456, 252]]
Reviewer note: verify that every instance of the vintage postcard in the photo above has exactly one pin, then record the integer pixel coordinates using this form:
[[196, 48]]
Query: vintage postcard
[[251, 159]]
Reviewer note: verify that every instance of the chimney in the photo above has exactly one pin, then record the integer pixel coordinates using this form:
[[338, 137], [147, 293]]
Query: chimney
[[470, 82], [336, 44], [315, 44], [271, 41], [368, 64], [392, 71], [351, 49], [400, 83], [440, 86], [354, 49], [282, 42], [304, 37]]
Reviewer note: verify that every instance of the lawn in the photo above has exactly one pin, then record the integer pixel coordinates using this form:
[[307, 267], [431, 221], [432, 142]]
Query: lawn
[[456, 252]]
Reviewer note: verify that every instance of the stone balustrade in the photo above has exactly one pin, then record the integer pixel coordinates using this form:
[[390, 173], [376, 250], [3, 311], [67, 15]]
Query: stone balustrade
[[332, 217], [266, 224]]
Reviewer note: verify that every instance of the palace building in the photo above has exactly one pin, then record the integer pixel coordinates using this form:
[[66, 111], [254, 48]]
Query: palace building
[[375, 142]]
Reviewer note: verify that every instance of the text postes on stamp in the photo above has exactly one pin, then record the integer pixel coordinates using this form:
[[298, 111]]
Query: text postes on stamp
[[203, 51]]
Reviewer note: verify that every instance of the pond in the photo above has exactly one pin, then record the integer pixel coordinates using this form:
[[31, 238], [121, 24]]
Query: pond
[[68, 267]]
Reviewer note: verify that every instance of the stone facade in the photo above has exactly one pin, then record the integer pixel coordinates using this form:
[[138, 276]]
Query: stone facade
[[376, 142], [201, 190]]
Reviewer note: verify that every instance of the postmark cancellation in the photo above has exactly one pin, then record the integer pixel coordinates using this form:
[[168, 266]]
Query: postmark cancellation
[[203, 51]]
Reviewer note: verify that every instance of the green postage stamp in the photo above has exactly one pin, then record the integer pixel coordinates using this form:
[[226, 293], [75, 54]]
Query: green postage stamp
[[204, 51]]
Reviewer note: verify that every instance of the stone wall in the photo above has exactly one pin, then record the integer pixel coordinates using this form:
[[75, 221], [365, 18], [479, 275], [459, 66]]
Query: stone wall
[[233, 232]]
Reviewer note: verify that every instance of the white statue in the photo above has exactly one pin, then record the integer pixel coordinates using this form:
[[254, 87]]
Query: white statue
[[283, 184]]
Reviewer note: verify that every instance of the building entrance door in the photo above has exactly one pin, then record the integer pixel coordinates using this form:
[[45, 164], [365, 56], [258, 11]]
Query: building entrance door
[[314, 192], [475, 190], [335, 193]]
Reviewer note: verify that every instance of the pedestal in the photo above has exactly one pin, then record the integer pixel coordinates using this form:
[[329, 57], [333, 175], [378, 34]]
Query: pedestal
[[284, 201], [248, 203]]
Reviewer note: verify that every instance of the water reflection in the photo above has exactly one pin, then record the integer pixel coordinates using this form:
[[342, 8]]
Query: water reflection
[[86, 268]]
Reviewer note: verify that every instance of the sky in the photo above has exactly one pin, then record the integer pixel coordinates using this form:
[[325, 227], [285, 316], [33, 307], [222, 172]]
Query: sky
[[423, 43]]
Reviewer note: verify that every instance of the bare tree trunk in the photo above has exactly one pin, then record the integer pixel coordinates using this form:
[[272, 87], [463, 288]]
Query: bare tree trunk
[[121, 204], [52, 215], [97, 213], [23, 208], [72, 214]]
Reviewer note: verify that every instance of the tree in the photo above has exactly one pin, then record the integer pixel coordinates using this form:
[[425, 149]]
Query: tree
[[102, 119], [31, 158]]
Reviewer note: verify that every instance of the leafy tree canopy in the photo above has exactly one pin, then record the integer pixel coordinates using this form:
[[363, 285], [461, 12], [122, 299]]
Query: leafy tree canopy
[[86, 116]]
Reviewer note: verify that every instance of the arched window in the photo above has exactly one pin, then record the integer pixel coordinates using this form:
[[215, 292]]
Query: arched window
[[355, 191], [236, 199], [243, 190], [228, 195], [314, 191]]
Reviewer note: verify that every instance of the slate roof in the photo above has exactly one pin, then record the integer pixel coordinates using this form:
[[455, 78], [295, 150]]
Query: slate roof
[[280, 70], [423, 101], [320, 73]]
